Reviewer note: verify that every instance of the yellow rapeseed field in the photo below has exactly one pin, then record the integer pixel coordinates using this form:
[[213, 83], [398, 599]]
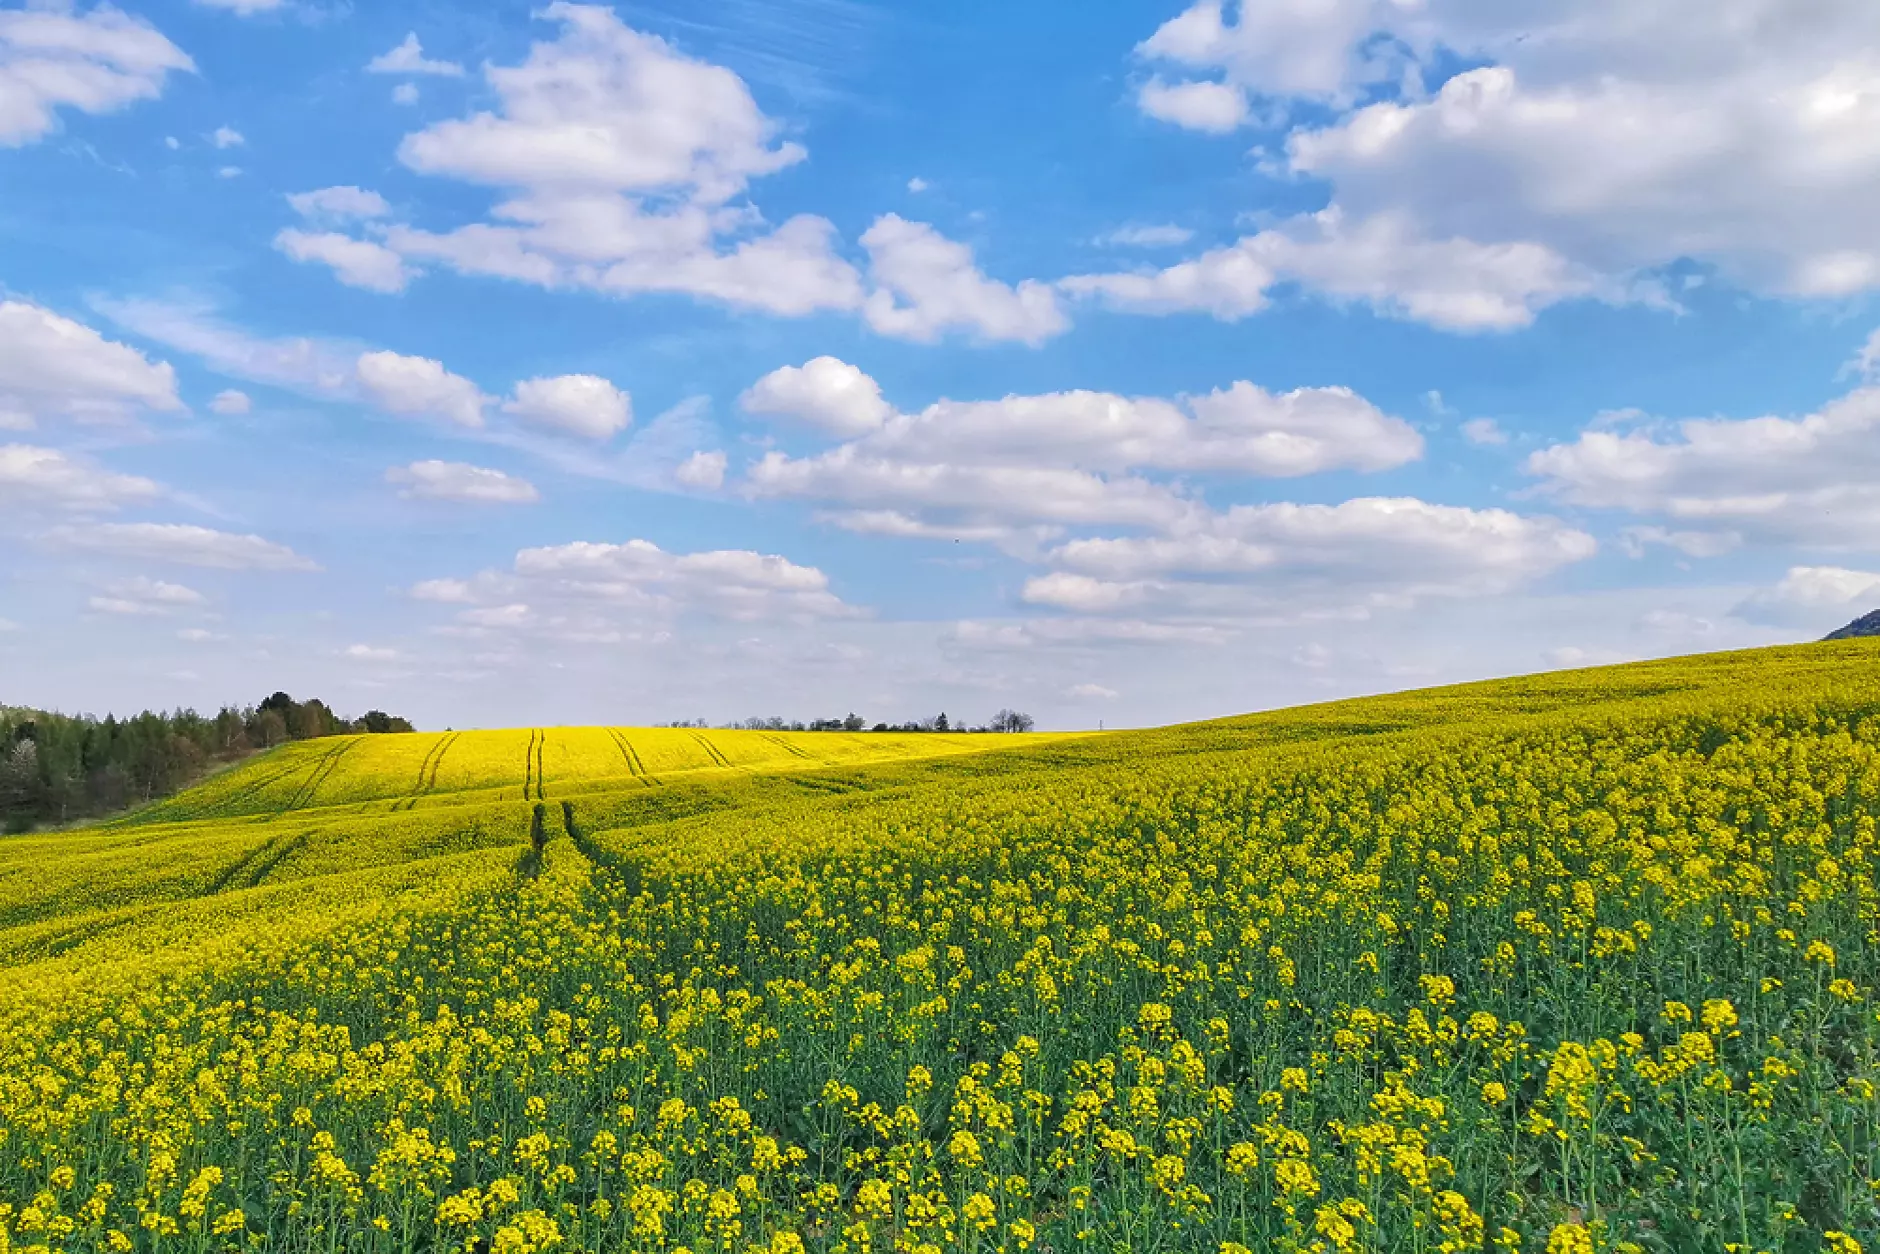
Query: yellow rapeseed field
[[1577, 962]]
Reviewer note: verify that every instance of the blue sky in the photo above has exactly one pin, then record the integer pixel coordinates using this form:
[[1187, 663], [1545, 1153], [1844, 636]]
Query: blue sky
[[1130, 363]]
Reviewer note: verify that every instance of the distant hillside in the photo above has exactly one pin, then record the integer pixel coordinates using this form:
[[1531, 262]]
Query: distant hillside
[[1866, 625]]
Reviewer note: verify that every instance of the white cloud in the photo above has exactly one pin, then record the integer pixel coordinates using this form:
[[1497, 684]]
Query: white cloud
[[1147, 235], [456, 481], [244, 8], [1395, 547], [230, 402], [1062, 457], [1199, 106], [1229, 283], [408, 58], [1453, 283], [850, 475], [917, 185], [143, 596], [405, 94], [1866, 362], [926, 284], [625, 162], [579, 404], [587, 591], [1301, 48], [183, 544], [227, 137], [1091, 692], [322, 367], [53, 367], [199, 635], [1822, 596], [370, 653], [355, 262], [1084, 595], [1638, 541], [498, 616], [1483, 431], [448, 591], [339, 204], [703, 470], [57, 57], [47, 477], [827, 393], [1813, 479], [1602, 139], [419, 387], [229, 172]]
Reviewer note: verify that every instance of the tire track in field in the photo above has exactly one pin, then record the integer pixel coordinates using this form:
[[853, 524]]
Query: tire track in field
[[787, 747], [420, 788], [635, 767], [427, 771], [711, 751], [321, 773], [532, 766], [243, 795]]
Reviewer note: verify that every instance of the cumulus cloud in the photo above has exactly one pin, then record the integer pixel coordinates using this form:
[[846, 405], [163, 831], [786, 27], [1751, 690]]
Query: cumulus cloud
[[927, 284], [1091, 692], [413, 387], [179, 543], [1866, 362], [824, 392], [51, 479], [1289, 48], [1413, 546], [227, 137], [52, 367], [577, 404], [355, 262], [408, 58], [1198, 105], [1810, 479], [1599, 141], [1821, 596], [1454, 283], [590, 591], [623, 165], [1147, 235], [1028, 472], [703, 470], [457, 481], [143, 596], [96, 61], [339, 204], [1063, 457], [230, 402], [244, 8], [1484, 431], [448, 591]]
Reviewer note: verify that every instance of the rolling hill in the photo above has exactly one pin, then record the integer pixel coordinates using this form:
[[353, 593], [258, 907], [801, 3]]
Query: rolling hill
[[1575, 961]]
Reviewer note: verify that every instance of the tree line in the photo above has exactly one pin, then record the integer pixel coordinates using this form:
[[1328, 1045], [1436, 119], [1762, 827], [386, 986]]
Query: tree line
[[1003, 721], [58, 768]]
